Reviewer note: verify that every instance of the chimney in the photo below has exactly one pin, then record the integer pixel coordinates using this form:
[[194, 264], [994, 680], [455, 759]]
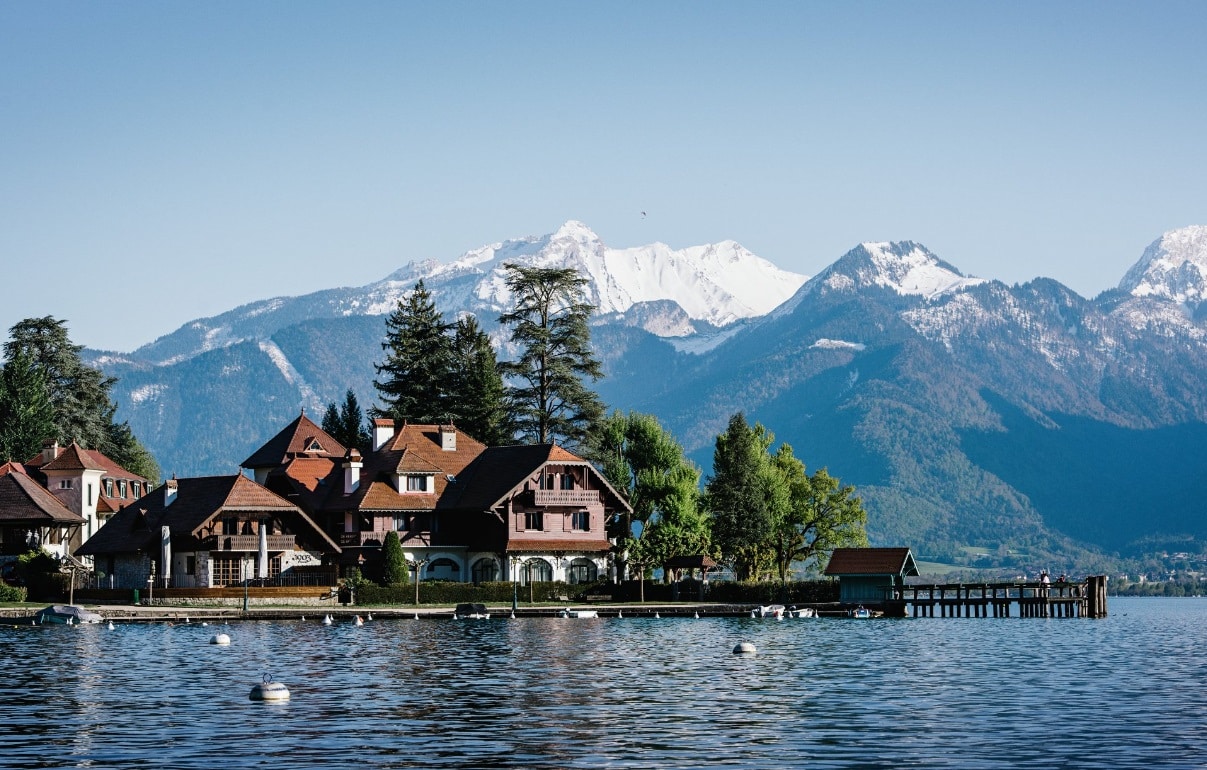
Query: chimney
[[383, 431], [50, 450], [448, 438], [352, 466], [169, 492]]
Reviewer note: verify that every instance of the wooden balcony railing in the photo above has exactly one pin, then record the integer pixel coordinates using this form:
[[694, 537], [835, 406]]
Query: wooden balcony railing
[[248, 542], [566, 496]]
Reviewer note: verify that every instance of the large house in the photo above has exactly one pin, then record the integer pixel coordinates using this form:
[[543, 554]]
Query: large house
[[205, 532], [60, 498], [462, 511]]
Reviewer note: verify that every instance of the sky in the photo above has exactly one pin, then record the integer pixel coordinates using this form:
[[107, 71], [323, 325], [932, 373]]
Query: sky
[[161, 162]]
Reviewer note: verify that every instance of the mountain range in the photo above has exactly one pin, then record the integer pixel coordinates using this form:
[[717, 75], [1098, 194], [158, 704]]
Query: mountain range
[[984, 425]]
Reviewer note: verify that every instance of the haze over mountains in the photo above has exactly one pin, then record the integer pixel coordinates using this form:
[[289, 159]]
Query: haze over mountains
[[984, 424]]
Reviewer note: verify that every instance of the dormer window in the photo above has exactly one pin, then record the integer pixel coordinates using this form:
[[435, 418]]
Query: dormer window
[[108, 487], [314, 446], [66, 483], [418, 482], [121, 489]]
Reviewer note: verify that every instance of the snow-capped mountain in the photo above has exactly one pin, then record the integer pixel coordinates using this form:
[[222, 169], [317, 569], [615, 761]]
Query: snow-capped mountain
[[1173, 267], [714, 285]]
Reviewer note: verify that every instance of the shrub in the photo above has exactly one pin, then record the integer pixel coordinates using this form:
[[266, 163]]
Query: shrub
[[11, 593]]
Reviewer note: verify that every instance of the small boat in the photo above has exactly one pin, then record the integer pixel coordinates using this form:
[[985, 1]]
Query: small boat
[[803, 612], [861, 612], [471, 612], [772, 611], [68, 614], [569, 613]]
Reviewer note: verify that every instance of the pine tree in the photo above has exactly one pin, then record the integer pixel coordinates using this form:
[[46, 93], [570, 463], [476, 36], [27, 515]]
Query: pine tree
[[737, 496], [346, 423], [79, 394], [477, 403], [547, 397], [26, 412], [415, 377]]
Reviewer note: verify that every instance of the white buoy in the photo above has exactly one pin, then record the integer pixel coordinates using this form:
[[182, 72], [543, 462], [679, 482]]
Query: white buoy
[[744, 648], [359, 620], [369, 616], [620, 613], [204, 624], [327, 620], [303, 618], [416, 616], [513, 616], [657, 615], [269, 690], [697, 615], [221, 639], [110, 625]]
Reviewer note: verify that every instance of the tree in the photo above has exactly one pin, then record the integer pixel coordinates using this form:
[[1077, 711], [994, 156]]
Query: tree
[[737, 497], [78, 394], [394, 561], [646, 464], [547, 397], [415, 378], [477, 401], [26, 413], [346, 424]]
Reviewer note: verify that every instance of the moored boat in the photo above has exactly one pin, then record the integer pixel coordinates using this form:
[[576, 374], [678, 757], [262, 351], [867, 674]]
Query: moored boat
[[67, 614]]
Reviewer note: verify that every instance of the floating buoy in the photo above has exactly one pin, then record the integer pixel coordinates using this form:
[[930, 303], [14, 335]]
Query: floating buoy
[[269, 690], [744, 648], [303, 618], [416, 616], [327, 620], [369, 616], [221, 639], [513, 616], [697, 615], [204, 624], [359, 620], [110, 625], [620, 613]]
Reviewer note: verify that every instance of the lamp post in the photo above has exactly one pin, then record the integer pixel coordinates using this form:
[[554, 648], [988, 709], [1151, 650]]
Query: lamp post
[[515, 562], [418, 565]]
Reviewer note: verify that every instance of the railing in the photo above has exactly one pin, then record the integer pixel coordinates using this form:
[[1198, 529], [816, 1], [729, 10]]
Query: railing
[[378, 538], [566, 496], [248, 542]]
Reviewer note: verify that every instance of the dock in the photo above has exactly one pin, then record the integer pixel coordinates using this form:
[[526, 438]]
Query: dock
[[1060, 599]]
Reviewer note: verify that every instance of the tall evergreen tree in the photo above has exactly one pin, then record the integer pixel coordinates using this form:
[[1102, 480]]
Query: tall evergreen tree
[[26, 413], [79, 394], [415, 378], [477, 403], [394, 568], [346, 423], [737, 497], [547, 396]]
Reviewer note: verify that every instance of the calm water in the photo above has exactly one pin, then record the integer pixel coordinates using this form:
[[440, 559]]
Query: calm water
[[1126, 691]]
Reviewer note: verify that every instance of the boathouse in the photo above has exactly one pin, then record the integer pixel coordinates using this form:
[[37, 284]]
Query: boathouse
[[869, 575]]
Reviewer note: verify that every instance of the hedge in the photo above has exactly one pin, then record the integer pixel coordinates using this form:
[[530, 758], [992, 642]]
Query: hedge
[[499, 592]]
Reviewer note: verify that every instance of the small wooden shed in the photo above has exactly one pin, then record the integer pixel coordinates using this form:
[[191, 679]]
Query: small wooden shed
[[865, 574]]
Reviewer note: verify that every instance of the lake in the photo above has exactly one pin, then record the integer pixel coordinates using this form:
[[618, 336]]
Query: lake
[[1120, 692]]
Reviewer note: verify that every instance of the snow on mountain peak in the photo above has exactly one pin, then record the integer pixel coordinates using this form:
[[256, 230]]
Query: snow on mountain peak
[[904, 266], [1173, 267]]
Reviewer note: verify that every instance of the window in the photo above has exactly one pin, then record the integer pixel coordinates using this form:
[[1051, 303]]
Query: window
[[580, 520], [66, 483], [534, 520], [547, 480], [444, 569], [136, 489], [536, 571], [226, 571], [108, 487], [485, 571], [89, 495], [567, 481], [401, 522], [416, 483], [230, 526], [190, 564], [581, 571], [121, 489]]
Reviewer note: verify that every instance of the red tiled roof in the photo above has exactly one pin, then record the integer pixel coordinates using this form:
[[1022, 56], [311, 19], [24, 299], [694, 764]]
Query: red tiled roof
[[871, 561], [73, 458], [299, 438], [12, 466], [380, 496]]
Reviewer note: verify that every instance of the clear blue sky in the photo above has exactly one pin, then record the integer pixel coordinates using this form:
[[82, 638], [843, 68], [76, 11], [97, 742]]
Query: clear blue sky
[[163, 161]]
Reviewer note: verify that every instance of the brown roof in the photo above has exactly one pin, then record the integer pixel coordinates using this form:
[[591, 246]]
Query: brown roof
[[197, 501], [24, 500], [500, 471], [690, 562], [380, 496], [299, 438], [548, 544], [73, 458], [871, 561]]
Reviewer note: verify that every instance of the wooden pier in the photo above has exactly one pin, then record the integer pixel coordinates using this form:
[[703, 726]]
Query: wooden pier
[[1062, 599]]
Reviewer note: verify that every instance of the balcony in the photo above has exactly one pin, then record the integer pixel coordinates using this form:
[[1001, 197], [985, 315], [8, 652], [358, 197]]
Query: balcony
[[376, 538], [572, 497], [250, 543]]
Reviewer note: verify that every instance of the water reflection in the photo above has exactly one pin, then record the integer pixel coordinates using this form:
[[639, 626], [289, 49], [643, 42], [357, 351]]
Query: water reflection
[[635, 692]]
